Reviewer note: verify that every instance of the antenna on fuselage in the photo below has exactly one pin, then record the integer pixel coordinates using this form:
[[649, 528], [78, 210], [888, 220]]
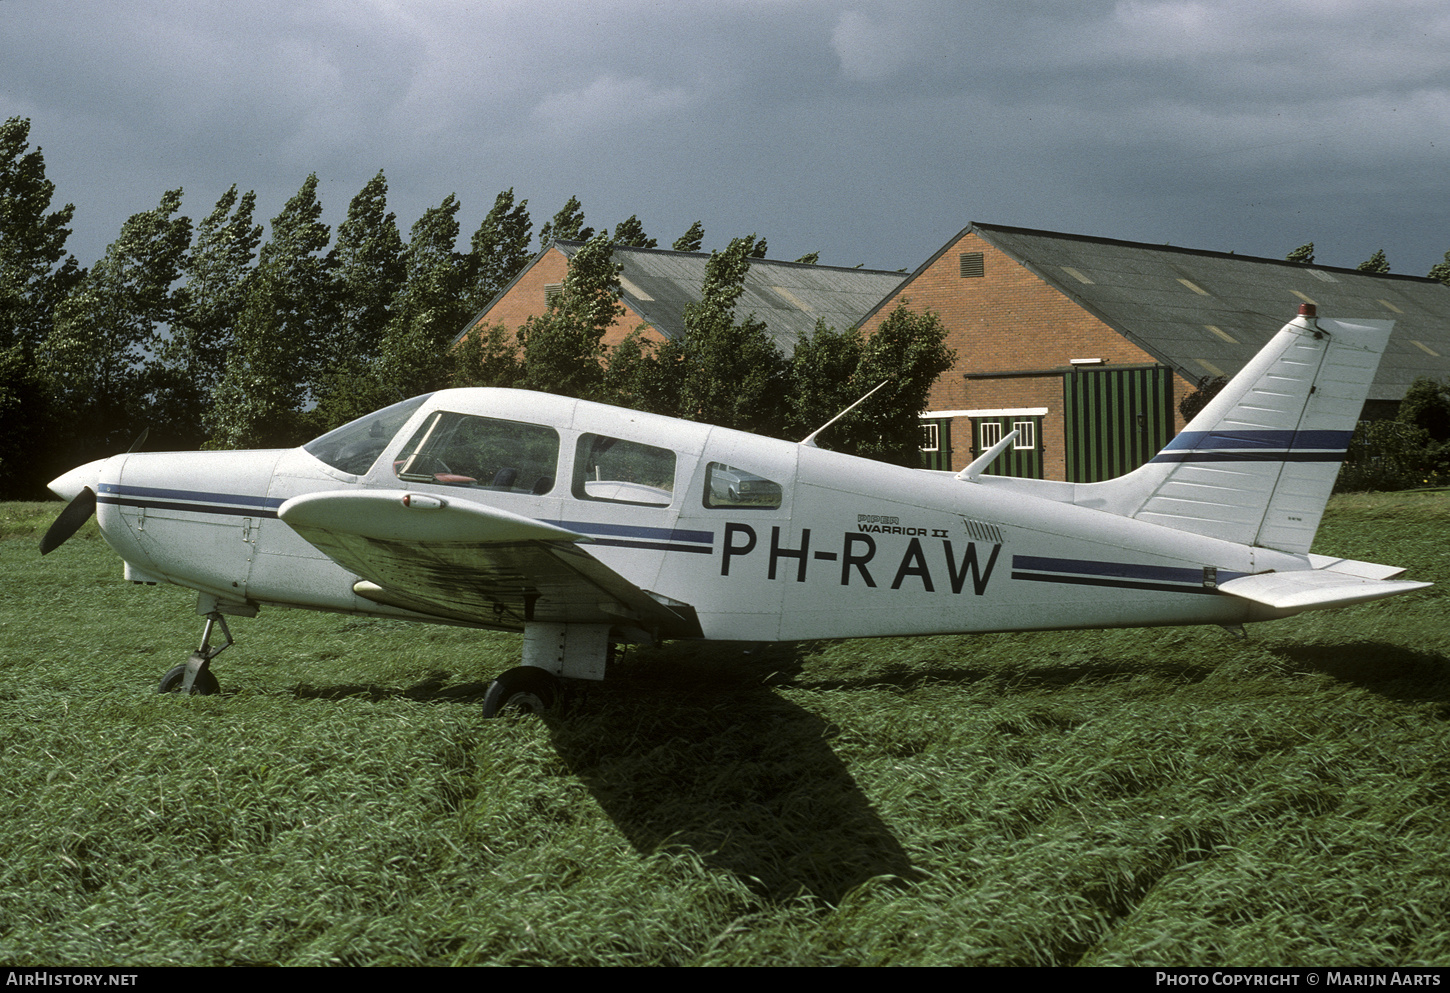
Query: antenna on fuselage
[[810, 440], [980, 463]]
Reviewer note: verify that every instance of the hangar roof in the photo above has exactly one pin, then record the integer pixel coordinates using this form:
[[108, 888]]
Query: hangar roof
[[1208, 313], [788, 296]]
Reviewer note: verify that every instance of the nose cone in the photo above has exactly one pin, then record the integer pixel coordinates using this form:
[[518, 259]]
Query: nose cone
[[69, 485]]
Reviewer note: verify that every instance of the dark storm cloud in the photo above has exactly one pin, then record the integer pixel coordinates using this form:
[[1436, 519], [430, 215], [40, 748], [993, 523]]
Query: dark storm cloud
[[869, 131]]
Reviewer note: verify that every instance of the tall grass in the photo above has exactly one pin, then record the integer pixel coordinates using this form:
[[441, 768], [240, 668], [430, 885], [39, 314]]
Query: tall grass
[[1160, 797]]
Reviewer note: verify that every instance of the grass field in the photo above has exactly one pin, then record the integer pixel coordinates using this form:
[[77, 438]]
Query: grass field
[[1159, 797]]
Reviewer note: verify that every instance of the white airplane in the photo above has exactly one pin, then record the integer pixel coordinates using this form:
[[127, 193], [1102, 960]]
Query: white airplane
[[585, 525]]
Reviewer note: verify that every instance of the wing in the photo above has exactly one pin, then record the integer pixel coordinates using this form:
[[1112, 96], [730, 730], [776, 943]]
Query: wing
[[462, 561]]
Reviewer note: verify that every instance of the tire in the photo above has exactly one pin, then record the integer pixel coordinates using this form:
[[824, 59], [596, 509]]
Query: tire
[[524, 689], [206, 684]]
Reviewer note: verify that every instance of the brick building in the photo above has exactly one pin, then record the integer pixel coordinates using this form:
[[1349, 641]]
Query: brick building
[[1086, 345]]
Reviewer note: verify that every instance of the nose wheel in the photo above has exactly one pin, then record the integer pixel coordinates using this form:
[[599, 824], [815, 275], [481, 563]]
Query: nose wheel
[[195, 678]]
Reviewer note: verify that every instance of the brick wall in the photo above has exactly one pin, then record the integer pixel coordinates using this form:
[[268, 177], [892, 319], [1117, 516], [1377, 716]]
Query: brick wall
[[1008, 320]]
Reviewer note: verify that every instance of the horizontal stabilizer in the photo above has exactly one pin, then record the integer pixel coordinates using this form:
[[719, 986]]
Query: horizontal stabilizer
[[1314, 588]]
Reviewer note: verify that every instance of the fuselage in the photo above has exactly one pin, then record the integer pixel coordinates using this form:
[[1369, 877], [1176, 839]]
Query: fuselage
[[766, 540]]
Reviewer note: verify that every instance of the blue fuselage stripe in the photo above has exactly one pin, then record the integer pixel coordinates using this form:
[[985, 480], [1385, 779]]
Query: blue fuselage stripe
[[242, 505], [1119, 575], [156, 498]]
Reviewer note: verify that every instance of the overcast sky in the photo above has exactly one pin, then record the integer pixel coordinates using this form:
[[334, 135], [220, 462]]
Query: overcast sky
[[868, 131]]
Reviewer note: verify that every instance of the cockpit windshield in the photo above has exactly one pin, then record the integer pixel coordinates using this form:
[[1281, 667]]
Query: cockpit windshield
[[356, 445]]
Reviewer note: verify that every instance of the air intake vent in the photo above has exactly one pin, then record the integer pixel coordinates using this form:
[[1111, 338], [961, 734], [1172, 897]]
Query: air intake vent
[[982, 531], [972, 265]]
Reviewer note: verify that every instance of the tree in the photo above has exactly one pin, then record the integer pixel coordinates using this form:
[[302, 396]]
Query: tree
[[758, 252], [500, 249], [823, 379], [691, 240], [369, 271], [630, 233], [1426, 405], [634, 378], [563, 349], [723, 372], [810, 258], [567, 225], [32, 284], [908, 352], [1441, 270], [1375, 263], [278, 356], [1304, 254], [106, 328], [430, 306], [189, 364], [486, 356], [32, 242], [1208, 388]]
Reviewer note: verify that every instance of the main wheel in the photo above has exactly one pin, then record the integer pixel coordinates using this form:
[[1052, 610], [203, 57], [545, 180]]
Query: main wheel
[[525, 688], [206, 684]]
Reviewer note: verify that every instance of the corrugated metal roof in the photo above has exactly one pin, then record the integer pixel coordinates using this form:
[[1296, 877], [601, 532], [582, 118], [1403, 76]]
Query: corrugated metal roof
[[789, 297], [1144, 292]]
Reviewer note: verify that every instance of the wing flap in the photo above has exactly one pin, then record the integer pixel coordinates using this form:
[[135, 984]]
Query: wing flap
[[467, 562]]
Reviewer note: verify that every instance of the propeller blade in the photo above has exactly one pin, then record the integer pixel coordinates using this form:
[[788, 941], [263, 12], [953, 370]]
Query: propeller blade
[[76, 513]]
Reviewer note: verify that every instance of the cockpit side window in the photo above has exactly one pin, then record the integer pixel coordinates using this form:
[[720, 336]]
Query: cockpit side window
[[354, 447], [733, 488], [486, 452], [620, 471]]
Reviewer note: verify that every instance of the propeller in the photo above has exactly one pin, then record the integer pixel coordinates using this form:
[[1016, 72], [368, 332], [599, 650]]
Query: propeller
[[82, 505]]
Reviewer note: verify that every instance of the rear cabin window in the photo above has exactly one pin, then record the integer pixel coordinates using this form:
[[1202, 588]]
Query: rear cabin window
[[619, 471], [485, 452], [730, 487]]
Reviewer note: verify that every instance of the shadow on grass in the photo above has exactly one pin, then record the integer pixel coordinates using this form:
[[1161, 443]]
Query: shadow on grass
[[1392, 671], [689, 747]]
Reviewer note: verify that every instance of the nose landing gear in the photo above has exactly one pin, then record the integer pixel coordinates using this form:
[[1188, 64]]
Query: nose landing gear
[[195, 678]]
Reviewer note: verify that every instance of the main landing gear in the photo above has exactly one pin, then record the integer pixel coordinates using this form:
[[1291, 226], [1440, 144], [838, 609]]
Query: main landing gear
[[552, 653], [525, 689]]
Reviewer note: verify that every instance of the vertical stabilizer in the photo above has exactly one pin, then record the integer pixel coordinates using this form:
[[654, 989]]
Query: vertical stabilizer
[[1257, 464]]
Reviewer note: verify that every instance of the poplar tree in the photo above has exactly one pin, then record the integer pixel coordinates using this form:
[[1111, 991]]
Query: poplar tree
[[1441, 270], [908, 352], [500, 249], [32, 282], [189, 364], [563, 349], [1375, 263], [108, 326], [720, 371], [369, 270], [566, 225], [32, 242], [428, 308], [630, 232], [274, 365], [691, 240]]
